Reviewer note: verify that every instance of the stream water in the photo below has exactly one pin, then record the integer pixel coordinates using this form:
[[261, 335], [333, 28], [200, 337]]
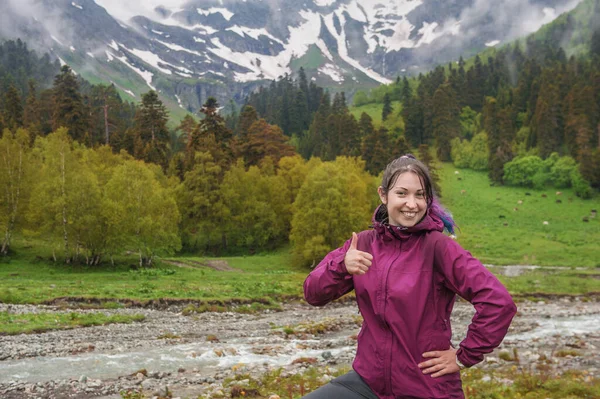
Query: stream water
[[205, 356], [201, 356]]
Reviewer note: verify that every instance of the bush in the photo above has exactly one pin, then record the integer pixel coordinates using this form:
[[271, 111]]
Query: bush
[[561, 172], [460, 152], [479, 152], [581, 187], [520, 171]]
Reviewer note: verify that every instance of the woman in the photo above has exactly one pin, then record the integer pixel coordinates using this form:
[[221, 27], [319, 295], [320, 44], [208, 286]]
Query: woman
[[406, 274]]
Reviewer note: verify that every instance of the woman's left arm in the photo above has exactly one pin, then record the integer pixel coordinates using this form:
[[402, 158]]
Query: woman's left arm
[[494, 307]]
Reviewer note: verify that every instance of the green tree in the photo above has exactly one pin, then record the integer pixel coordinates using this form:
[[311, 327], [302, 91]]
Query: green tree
[[427, 159], [333, 202], [68, 108], [16, 170], [264, 140], [446, 120], [13, 109], [144, 209], [256, 211], [547, 119], [202, 207], [376, 150], [150, 130], [387, 107]]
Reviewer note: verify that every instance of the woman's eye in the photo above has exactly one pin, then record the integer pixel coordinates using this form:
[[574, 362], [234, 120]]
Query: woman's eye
[[420, 195]]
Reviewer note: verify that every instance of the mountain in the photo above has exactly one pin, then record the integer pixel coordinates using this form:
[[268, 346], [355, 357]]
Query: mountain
[[189, 50]]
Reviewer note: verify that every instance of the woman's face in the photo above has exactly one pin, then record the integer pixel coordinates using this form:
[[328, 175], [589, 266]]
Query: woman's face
[[405, 201]]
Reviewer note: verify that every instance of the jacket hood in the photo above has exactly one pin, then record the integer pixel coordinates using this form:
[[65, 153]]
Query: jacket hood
[[430, 222]]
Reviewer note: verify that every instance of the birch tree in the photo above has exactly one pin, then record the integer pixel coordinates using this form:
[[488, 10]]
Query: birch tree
[[15, 168]]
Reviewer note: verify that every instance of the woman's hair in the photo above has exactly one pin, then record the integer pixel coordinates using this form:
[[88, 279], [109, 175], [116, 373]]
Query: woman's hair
[[408, 163]]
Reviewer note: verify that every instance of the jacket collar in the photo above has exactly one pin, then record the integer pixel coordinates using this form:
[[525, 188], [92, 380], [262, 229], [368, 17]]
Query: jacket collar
[[430, 222]]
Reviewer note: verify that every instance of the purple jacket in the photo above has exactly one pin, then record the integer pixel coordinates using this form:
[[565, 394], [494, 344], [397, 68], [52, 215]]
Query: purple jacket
[[406, 298]]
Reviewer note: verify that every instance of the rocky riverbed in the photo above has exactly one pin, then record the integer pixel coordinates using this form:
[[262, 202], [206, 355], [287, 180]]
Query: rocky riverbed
[[192, 356]]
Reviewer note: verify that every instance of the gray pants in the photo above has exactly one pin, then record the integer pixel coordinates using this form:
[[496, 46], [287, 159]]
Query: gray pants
[[347, 386]]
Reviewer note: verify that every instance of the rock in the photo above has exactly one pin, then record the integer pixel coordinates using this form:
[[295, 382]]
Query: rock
[[83, 379], [147, 383], [326, 355], [274, 397]]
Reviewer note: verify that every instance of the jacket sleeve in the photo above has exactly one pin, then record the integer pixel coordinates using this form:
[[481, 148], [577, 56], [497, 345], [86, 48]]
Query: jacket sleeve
[[494, 307], [330, 279]]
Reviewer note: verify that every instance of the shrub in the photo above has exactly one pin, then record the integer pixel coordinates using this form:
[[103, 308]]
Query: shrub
[[520, 171], [479, 152]]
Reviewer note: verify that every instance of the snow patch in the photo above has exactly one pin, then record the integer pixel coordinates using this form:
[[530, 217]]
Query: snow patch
[[214, 10], [90, 54], [343, 50], [179, 101], [62, 62], [146, 75], [493, 43], [199, 40], [151, 59], [56, 40], [428, 33], [114, 45], [109, 56], [76, 5], [177, 47], [125, 10], [158, 32], [324, 3], [333, 72]]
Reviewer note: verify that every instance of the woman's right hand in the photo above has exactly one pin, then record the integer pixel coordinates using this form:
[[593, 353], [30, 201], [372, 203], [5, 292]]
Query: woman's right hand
[[357, 262]]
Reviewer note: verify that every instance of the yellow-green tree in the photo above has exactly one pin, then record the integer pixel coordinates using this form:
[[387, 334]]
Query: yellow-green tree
[[201, 205], [334, 201], [15, 171], [143, 212], [256, 201], [50, 209]]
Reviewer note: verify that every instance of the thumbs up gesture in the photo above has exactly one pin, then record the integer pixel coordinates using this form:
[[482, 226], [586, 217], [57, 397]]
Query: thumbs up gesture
[[357, 262]]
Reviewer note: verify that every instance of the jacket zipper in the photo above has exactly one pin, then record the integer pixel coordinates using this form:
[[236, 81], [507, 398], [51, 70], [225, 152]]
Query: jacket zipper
[[387, 369]]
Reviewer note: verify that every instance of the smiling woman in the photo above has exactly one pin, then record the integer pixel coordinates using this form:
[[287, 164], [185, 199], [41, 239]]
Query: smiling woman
[[406, 275]]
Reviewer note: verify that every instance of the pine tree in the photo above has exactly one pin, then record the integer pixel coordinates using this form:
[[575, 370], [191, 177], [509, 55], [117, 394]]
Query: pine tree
[[406, 91], [446, 120], [427, 159], [547, 119], [68, 107], [150, 129], [376, 150], [387, 107], [265, 140], [413, 121], [31, 113], [247, 117], [13, 109]]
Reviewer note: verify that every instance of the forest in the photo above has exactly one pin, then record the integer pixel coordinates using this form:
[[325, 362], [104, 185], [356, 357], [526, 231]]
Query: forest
[[94, 176]]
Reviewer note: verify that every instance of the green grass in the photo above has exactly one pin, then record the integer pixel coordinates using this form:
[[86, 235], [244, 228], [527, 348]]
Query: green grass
[[312, 59], [29, 279], [374, 111], [12, 324], [482, 211]]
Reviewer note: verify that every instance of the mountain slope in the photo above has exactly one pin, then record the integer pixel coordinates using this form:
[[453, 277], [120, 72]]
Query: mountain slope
[[189, 50]]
